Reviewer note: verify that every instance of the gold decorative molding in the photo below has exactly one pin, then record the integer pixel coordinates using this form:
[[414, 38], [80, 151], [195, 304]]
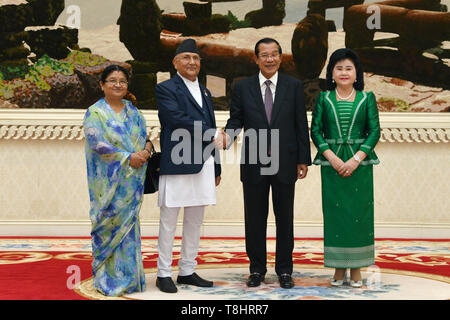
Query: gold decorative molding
[[66, 124], [42, 132], [427, 135]]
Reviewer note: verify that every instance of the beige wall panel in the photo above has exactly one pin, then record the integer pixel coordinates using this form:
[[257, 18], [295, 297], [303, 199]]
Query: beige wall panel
[[43, 178]]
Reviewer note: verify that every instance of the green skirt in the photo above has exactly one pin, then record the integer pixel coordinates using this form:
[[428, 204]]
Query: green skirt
[[348, 218]]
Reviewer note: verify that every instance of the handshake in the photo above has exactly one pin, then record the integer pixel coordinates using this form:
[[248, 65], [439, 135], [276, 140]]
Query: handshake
[[222, 140]]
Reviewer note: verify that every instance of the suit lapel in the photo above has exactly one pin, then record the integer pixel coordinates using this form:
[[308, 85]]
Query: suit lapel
[[208, 100], [280, 91], [186, 91], [255, 89]]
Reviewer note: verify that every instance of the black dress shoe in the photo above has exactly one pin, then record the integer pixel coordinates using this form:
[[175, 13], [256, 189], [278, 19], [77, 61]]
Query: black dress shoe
[[286, 281], [166, 284], [255, 279], [195, 280]]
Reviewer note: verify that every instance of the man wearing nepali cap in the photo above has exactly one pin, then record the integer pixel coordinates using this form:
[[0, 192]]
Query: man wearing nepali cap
[[190, 168]]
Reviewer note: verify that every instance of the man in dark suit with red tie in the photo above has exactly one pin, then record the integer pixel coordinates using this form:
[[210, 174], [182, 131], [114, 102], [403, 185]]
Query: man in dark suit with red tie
[[275, 153]]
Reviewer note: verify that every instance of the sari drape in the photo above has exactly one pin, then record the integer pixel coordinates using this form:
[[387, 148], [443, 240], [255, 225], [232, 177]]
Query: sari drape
[[115, 192]]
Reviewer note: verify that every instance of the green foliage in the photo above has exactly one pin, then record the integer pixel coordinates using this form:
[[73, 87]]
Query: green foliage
[[236, 23], [399, 104], [7, 88], [44, 68], [10, 72], [83, 58]]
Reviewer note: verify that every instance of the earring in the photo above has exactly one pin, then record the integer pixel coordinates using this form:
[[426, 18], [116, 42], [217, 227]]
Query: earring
[[332, 80]]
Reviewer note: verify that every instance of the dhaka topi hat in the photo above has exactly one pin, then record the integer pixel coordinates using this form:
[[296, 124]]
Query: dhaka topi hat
[[188, 45]]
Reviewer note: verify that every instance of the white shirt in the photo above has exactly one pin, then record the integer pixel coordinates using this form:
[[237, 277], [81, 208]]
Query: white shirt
[[187, 190], [273, 85], [194, 89]]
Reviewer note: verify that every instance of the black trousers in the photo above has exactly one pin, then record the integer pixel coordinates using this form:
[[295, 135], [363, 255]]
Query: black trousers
[[256, 207]]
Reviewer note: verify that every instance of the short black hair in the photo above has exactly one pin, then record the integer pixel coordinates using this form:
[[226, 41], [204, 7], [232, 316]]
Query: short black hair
[[110, 69], [266, 41], [339, 55]]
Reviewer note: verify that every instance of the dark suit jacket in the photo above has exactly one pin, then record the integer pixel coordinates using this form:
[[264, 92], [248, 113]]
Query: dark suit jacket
[[177, 109], [288, 116]]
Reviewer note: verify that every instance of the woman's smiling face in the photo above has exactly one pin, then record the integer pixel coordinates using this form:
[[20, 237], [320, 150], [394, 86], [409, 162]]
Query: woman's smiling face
[[115, 85], [344, 73]]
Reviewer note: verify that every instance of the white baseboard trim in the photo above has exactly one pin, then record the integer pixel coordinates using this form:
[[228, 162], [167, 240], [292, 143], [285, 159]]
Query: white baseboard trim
[[150, 228]]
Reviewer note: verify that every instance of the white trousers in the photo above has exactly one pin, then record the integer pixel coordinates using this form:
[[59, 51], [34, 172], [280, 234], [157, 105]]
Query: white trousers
[[192, 222]]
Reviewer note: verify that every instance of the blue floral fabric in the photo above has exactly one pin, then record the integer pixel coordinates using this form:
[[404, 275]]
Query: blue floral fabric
[[115, 192]]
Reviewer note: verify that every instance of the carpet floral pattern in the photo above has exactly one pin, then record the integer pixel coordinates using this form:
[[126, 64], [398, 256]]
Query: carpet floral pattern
[[59, 268]]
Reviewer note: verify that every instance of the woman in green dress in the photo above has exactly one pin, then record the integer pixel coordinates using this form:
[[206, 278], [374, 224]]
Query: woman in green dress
[[345, 129]]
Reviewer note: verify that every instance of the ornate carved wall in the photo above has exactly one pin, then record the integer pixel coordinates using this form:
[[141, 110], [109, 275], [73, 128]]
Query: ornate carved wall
[[43, 189]]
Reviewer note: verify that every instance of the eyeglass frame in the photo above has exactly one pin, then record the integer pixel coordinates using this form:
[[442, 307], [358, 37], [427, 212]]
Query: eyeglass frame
[[266, 57], [114, 82], [187, 58]]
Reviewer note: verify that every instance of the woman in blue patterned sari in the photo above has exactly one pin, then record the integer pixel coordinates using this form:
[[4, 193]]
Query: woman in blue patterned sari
[[116, 154]]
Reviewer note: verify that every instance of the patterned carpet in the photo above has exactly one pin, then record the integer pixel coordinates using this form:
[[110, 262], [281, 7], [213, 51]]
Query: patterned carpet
[[59, 268]]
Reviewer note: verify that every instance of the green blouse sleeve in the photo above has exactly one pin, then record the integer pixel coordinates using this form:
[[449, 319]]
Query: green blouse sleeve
[[373, 125], [317, 125]]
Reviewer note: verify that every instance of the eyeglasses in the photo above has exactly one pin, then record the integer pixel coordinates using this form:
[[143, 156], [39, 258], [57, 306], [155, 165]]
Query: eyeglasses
[[265, 56], [187, 58], [122, 83]]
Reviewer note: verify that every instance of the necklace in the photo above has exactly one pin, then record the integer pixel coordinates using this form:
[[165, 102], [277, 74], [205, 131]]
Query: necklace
[[346, 98]]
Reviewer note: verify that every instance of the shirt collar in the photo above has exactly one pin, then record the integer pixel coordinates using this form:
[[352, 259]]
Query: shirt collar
[[263, 79], [187, 81]]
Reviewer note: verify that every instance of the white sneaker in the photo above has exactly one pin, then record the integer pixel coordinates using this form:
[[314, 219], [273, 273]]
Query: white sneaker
[[356, 284]]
